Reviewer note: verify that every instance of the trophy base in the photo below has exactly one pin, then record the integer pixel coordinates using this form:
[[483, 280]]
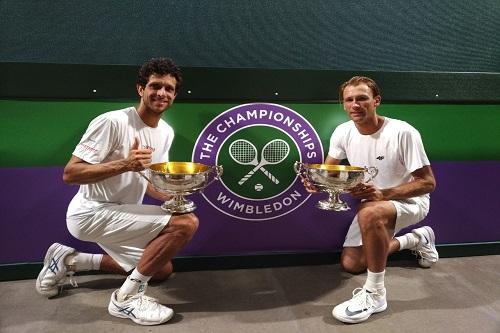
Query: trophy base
[[333, 206], [178, 207]]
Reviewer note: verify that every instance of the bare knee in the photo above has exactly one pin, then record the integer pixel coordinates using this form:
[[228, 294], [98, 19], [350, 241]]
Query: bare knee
[[164, 273], [184, 225], [352, 261], [371, 219], [351, 266]]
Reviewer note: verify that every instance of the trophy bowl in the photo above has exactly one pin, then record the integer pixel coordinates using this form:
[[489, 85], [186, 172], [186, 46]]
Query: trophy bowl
[[334, 180], [180, 179]]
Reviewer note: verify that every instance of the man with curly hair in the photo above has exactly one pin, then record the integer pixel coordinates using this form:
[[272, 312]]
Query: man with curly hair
[[139, 240]]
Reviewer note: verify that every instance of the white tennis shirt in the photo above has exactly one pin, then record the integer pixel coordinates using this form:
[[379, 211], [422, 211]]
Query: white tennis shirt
[[396, 150], [109, 137]]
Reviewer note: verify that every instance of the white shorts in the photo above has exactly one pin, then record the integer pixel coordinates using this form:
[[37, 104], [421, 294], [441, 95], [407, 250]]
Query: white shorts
[[123, 231], [409, 212]]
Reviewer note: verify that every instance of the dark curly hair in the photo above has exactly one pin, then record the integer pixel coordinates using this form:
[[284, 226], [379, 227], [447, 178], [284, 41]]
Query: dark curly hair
[[159, 66]]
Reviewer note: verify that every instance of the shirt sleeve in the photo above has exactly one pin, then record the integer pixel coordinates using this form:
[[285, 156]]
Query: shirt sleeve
[[170, 139], [337, 146], [97, 141], [413, 154], [162, 154]]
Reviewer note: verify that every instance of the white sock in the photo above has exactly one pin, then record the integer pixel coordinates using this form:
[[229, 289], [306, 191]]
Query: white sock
[[134, 284], [83, 261], [374, 281], [407, 241]]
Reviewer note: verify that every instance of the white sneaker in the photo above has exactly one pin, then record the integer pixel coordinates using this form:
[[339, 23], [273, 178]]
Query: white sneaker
[[361, 306], [141, 309], [426, 247], [54, 271]]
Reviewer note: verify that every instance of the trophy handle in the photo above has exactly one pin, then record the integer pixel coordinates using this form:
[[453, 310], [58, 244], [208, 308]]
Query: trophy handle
[[299, 169], [145, 177], [372, 171], [218, 170]]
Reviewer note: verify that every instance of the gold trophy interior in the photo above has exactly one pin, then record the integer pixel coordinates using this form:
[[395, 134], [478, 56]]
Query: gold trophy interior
[[179, 179], [334, 180]]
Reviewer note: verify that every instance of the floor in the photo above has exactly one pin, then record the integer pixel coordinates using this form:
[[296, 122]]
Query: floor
[[456, 295]]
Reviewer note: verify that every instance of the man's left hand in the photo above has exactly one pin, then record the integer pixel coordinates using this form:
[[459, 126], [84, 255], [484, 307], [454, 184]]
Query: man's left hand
[[366, 191]]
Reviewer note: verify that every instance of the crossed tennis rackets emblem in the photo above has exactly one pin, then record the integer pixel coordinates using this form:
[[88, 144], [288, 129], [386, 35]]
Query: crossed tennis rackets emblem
[[245, 153]]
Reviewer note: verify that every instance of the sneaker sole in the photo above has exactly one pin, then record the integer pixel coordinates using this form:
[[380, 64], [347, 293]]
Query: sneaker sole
[[138, 321], [359, 320]]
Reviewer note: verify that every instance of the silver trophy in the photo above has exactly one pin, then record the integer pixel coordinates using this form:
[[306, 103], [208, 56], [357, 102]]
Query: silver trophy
[[334, 180], [179, 179]]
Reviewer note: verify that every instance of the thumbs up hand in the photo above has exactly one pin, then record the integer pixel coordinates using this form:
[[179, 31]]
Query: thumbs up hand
[[138, 159], [135, 145]]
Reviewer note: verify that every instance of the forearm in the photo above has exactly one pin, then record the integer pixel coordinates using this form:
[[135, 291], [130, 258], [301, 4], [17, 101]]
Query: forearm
[[331, 160], [156, 195], [84, 173], [150, 191], [414, 188]]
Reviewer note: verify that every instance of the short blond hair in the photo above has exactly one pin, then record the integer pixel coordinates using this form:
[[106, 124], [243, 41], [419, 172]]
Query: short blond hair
[[357, 80]]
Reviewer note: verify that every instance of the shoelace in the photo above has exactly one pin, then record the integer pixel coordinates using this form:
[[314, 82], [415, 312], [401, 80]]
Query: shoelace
[[69, 277], [422, 254], [146, 301], [363, 298]]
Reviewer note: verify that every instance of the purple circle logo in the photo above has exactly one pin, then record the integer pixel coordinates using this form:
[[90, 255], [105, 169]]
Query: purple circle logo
[[257, 145]]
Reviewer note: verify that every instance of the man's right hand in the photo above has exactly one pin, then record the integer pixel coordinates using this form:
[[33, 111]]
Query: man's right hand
[[78, 171], [138, 159]]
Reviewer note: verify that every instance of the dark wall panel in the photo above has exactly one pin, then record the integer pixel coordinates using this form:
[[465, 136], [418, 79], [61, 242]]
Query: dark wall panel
[[112, 82], [382, 35]]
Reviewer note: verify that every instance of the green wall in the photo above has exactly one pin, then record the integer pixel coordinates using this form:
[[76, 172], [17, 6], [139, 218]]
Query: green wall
[[44, 133]]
